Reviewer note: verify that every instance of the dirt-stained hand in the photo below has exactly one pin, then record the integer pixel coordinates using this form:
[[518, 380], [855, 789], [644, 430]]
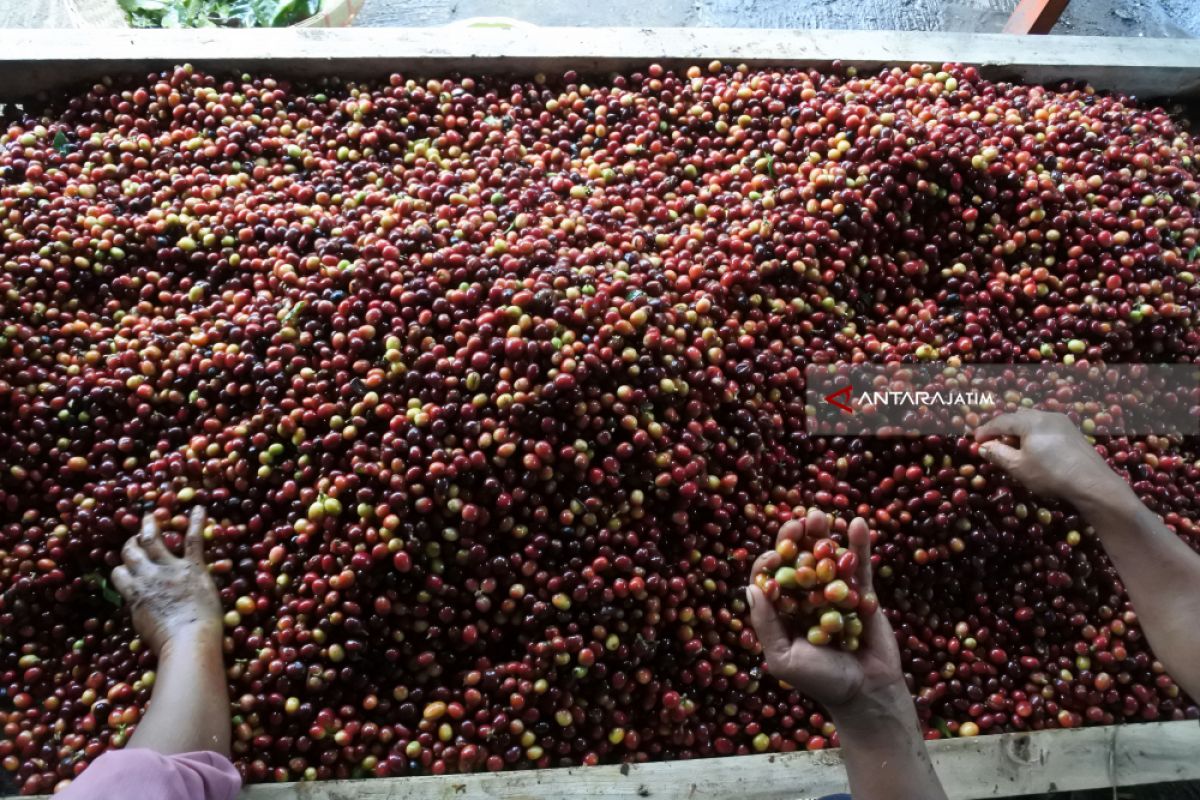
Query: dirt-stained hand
[[171, 598]]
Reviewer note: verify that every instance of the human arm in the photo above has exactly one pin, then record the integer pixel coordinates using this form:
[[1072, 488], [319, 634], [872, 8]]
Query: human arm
[[180, 749], [864, 691], [176, 609], [1160, 571]]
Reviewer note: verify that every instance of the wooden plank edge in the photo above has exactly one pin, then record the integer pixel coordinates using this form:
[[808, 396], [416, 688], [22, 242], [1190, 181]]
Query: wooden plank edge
[[32, 60], [1004, 765], [987, 766], [1035, 16]]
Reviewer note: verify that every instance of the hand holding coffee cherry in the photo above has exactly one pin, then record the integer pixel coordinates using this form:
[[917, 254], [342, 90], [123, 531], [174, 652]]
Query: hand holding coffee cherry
[[816, 587], [1159, 569], [1052, 459], [171, 599], [868, 661]]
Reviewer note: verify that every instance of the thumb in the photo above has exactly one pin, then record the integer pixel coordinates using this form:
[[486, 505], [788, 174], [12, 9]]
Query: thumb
[[768, 627], [1005, 457]]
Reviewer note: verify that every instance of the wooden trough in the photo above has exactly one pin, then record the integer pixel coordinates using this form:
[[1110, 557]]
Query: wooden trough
[[33, 61]]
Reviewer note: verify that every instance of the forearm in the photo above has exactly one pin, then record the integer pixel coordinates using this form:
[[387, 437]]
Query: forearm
[[189, 708], [1160, 572], [884, 751]]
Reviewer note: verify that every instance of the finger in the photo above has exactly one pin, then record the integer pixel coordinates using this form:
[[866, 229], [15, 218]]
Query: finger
[[879, 638], [134, 556], [859, 537], [767, 562], [816, 525], [151, 541], [792, 529], [1005, 457], [768, 627], [124, 583], [1003, 425], [193, 543]]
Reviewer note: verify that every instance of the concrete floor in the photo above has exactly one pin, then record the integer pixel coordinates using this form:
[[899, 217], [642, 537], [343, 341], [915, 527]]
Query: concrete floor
[[1152, 18]]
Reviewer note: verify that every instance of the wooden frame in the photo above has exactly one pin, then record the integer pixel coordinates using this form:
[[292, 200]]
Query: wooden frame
[[1035, 16], [32, 61], [983, 767], [986, 766]]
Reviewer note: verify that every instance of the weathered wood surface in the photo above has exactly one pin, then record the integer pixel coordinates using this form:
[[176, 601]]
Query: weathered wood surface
[[983, 767], [970, 769], [1035, 16], [32, 60]]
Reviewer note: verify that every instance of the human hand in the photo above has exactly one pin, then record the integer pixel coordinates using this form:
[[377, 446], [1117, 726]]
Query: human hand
[[1052, 459], [845, 683], [172, 599]]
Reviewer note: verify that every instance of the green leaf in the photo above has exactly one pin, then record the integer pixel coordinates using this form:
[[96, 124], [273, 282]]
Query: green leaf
[[206, 13], [112, 596], [196, 13], [144, 13], [289, 12], [130, 6], [942, 727], [172, 18], [98, 581], [61, 144], [238, 13], [1195, 253], [294, 311]]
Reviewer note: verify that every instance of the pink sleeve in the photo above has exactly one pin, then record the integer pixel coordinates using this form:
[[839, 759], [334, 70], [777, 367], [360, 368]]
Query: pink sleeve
[[145, 773]]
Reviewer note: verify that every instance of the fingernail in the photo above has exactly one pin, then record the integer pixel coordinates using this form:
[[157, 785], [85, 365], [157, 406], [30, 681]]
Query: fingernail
[[750, 597]]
